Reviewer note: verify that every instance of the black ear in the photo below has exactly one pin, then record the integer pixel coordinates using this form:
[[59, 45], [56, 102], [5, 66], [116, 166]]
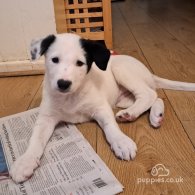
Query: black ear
[[95, 52], [40, 46], [46, 42]]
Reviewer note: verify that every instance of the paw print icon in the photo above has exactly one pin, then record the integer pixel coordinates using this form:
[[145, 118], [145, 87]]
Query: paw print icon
[[160, 170]]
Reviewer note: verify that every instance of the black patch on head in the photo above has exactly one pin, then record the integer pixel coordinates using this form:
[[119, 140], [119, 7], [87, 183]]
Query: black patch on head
[[95, 52], [46, 43]]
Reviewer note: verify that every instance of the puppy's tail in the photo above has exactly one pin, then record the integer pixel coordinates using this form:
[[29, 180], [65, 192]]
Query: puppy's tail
[[175, 85]]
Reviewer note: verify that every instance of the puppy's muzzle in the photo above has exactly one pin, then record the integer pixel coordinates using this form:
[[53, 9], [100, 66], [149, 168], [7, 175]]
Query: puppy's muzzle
[[63, 85]]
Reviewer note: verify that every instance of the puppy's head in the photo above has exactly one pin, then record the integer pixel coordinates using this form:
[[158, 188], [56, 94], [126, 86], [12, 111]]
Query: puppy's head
[[68, 58]]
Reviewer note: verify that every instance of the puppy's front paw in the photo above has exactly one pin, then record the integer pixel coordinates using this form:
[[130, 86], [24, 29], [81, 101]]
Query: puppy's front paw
[[23, 168], [124, 147]]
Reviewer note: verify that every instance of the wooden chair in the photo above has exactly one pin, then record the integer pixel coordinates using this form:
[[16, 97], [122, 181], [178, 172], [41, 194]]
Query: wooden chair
[[90, 19]]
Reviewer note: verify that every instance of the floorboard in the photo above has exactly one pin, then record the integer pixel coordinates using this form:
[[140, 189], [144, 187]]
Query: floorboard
[[17, 93], [181, 26]]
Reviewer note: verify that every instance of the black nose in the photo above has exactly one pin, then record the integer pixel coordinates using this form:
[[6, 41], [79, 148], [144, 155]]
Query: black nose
[[63, 84]]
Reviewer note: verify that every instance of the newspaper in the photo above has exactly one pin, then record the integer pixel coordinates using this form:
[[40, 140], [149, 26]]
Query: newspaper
[[69, 165]]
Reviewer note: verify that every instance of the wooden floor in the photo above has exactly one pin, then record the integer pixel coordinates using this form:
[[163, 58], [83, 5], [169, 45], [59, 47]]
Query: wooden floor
[[160, 33]]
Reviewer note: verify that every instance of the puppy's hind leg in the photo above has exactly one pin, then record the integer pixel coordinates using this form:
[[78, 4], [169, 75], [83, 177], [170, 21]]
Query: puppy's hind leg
[[145, 98], [157, 113], [125, 100], [137, 81]]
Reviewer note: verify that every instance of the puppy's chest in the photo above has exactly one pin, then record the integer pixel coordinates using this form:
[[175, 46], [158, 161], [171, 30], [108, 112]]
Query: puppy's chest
[[73, 111]]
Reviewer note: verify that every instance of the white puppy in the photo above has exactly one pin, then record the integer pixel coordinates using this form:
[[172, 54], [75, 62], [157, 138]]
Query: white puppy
[[82, 83]]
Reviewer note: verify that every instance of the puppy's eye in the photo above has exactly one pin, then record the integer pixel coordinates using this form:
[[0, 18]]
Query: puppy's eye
[[79, 63], [55, 60]]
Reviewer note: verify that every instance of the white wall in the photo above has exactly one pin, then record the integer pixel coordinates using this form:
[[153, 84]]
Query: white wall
[[20, 22]]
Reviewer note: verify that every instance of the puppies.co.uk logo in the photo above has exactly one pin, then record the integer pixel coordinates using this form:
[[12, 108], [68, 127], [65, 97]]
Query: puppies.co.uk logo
[[159, 170], [160, 175]]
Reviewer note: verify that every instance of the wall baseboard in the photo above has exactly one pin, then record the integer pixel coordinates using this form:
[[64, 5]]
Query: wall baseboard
[[21, 68]]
